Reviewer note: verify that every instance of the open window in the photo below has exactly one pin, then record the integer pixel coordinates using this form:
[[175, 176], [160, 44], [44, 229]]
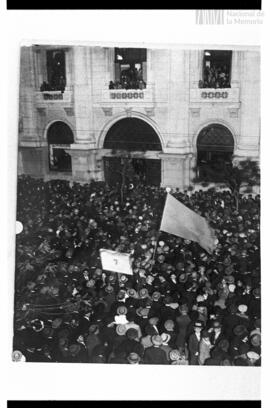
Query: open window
[[130, 69], [216, 69], [60, 137], [56, 71]]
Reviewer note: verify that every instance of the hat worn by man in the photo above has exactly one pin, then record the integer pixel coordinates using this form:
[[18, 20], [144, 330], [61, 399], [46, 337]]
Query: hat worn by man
[[109, 289], [240, 330], [231, 287], [121, 295], [156, 296], [156, 340], [133, 358], [174, 355], [153, 320], [169, 325], [143, 293], [255, 340], [121, 329], [165, 338], [121, 310], [123, 279], [200, 298], [37, 325], [112, 278], [132, 292], [242, 308], [252, 355]]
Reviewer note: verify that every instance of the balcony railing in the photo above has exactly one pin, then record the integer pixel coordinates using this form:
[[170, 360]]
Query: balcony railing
[[150, 94], [43, 98], [220, 95]]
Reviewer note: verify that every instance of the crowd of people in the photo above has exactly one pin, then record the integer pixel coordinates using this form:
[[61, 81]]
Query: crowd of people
[[181, 306], [215, 77]]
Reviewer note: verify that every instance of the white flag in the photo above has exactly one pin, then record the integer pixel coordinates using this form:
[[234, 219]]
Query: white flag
[[179, 220], [116, 261]]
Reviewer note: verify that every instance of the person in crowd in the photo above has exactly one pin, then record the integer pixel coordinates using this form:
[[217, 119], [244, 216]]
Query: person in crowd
[[194, 342], [204, 347], [155, 354]]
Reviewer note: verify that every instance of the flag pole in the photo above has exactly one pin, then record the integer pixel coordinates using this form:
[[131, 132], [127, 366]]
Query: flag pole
[[158, 235], [155, 251]]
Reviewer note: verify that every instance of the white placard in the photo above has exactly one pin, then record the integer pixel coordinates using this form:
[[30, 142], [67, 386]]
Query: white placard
[[116, 261]]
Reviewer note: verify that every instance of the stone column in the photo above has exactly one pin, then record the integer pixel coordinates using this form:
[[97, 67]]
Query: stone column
[[27, 96], [235, 70], [172, 170], [82, 96], [84, 163], [192, 164], [195, 70], [187, 166]]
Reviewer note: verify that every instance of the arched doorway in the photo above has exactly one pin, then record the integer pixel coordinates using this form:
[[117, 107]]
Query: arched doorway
[[215, 146], [131, 142], [60, 137]]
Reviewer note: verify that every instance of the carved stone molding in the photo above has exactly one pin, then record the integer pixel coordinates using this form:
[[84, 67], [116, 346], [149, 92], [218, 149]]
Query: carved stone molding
[[150, 111], [69, 111], [195, 112], [128, 112], [107, 111], [41, 111], [233, 112]]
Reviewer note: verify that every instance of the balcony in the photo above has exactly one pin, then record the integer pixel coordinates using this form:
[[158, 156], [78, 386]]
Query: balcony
[[133, 96], [55, 97], [214, 95]]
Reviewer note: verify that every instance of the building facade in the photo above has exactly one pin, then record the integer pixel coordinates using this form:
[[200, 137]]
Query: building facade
[[172, 110]]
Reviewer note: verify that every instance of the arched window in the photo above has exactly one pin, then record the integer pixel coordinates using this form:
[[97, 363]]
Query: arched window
[[215, 146], [60, 137]]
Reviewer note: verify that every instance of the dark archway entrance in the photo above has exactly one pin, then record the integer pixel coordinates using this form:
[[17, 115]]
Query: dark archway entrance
[[60, 137], [132, 140], [215, 146]]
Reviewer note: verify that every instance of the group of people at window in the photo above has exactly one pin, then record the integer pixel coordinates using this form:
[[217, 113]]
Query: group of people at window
[[130, 78], [57, 83], [216, 76]]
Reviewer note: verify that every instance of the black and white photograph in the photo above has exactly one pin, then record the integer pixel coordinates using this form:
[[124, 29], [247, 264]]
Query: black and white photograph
[[138, 205]]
